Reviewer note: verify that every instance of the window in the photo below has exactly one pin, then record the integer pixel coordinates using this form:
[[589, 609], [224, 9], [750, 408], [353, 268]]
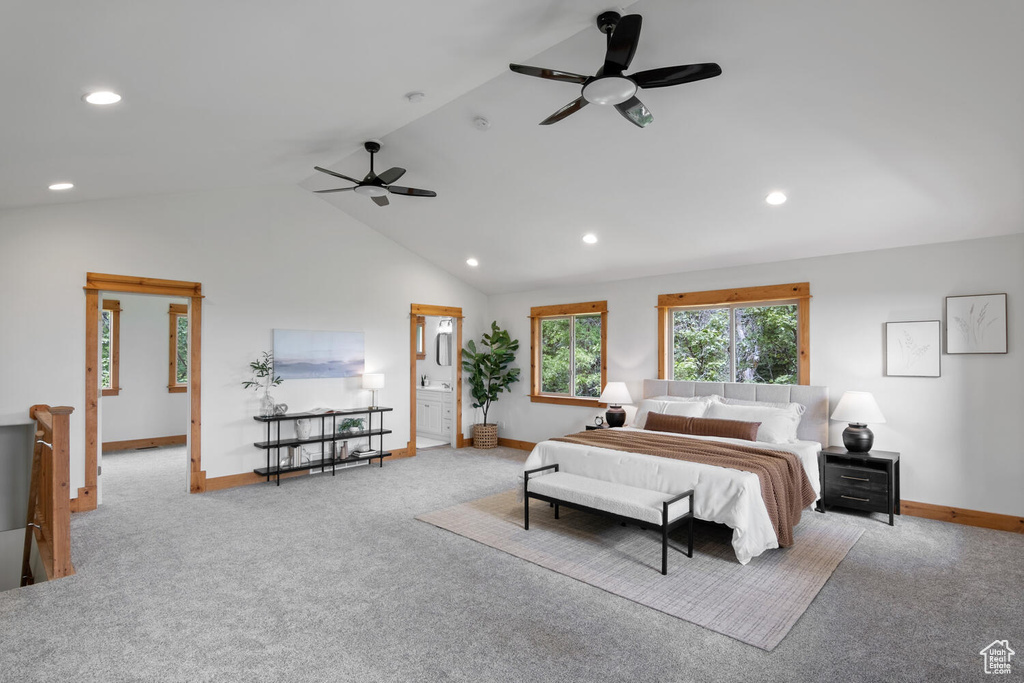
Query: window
[[110, 347], [568, 353], [177, 381], [755, 334]]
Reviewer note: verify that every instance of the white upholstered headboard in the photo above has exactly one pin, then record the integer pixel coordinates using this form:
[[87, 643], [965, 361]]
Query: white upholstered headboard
[[813, 425]]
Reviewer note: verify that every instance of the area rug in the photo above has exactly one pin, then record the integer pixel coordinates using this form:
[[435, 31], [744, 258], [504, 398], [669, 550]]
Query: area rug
[[757, 604]]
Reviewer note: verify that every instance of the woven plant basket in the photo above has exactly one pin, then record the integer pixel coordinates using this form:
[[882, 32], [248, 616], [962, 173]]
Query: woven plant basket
[[485, 435]]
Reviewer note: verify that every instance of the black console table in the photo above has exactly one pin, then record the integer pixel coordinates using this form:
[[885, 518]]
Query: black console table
[[328, 435]]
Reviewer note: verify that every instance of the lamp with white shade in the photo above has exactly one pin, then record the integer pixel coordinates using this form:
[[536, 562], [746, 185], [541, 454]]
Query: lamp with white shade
[[858, 408], [373, 381], [615, 394]]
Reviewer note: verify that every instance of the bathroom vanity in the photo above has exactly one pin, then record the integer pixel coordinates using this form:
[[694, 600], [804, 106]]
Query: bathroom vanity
[[434, 411]]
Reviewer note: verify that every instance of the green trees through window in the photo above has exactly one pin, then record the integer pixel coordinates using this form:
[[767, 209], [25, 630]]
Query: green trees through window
[[571, 355], [740, 343], [181, 350], [106, 348]]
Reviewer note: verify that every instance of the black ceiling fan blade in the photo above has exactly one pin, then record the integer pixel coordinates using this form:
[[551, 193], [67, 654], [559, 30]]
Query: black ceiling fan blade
[[381, 200], [336, 175], [570, 108], [550, 74], [635, 111], [674, 75], [411, 191], [391, 175], [340, 189], [622, 45]]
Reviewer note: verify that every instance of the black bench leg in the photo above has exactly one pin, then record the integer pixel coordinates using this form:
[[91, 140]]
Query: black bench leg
[[526, 509], [664, 549], [556, 511], [689, 541]]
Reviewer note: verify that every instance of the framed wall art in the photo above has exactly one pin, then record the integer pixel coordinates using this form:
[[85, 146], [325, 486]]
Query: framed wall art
[[913, 348], [301, 354], [976, 324]]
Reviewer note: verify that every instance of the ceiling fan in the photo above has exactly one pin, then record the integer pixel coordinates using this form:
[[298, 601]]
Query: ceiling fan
[[610, 85], [374, 186]]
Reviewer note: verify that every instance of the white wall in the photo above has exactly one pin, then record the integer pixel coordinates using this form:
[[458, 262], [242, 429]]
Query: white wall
[[144, 409], [268, 257], [958, 434]]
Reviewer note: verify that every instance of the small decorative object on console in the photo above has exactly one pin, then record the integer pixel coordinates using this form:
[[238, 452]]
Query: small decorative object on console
[[858, 408], [351, 424], [263, 378], [615, 394]]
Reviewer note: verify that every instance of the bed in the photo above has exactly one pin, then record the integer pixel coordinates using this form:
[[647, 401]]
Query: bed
[[721, 495]]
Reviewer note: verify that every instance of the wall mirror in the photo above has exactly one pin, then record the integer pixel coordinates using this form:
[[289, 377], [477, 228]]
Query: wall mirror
[[444, 342]]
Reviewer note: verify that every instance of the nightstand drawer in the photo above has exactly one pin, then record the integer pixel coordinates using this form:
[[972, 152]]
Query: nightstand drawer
[[871, 501], [857, 477]]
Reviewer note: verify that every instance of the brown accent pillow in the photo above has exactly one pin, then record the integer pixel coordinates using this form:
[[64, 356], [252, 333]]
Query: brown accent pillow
[[702, 426]]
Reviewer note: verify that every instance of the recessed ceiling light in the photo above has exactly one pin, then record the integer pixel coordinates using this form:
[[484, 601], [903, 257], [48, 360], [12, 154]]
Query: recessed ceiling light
[[590, 238], [472, 262], [775, 198], [62, 186], [102, 97]]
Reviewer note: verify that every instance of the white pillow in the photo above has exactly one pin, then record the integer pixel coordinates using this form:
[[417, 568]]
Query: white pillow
[[686, 408], [778, 425], [648, 405], [694, 406], [799, 408], [679, 399]]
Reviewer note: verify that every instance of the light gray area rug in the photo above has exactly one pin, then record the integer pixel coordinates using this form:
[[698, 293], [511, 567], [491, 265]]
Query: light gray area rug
[[757, 604]]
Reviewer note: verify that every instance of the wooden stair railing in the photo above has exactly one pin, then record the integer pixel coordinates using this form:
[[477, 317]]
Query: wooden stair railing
[[49, 501]]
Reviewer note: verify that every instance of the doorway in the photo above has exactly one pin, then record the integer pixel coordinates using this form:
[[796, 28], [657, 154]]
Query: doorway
[[435, 354], [97, 287], [143, 387]]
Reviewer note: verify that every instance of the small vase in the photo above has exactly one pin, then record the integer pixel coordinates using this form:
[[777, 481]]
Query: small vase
[[266, 405]]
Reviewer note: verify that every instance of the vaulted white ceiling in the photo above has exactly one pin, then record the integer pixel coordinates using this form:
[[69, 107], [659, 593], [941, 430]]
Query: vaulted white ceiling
[[886, 123]]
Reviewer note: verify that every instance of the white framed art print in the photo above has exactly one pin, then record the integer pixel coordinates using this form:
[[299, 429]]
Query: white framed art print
[[913, 348]]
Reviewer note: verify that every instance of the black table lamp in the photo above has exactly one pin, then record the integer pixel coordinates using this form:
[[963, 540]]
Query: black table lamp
[[858, 408], [615, 394]]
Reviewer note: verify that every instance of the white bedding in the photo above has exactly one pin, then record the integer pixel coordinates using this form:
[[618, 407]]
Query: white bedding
[[721, 495]]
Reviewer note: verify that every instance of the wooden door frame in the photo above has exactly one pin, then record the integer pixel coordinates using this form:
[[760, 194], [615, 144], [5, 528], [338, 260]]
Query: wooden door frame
[[445, 312], [103, 282]]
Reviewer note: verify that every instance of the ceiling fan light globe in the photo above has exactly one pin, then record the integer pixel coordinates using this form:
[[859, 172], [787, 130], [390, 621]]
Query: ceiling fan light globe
[[371, 190], [609, 90]]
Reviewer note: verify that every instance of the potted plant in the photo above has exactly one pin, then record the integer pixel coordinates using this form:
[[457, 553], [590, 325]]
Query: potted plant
[[489, 374], [263, 378], [350, 425]]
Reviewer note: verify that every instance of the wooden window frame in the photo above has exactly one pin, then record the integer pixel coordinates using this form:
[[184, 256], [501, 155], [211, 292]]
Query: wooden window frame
[[799, 292], [114, 306], [538, 313], [174, 312]]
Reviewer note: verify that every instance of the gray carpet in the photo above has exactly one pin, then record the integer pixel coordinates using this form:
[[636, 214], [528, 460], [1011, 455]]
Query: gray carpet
[[756, 604], [332, 579]]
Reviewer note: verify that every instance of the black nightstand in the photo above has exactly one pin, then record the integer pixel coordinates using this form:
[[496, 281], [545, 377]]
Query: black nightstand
[[863, 481], [604, 426]]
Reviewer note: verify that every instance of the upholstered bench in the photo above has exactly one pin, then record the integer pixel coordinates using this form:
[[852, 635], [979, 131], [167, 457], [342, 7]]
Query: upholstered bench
[[618, 501]]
